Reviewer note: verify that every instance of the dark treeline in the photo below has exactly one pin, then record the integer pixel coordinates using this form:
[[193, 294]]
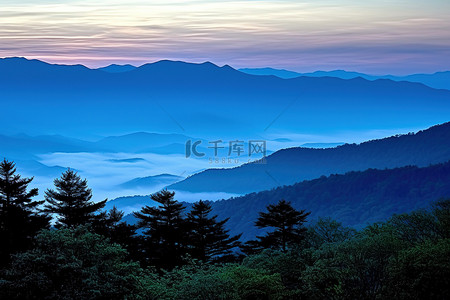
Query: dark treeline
[[356, 198], [174, 253]]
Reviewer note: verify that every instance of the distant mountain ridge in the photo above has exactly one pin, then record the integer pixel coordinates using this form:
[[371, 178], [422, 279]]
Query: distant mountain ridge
[[139, 142], [28, 151], [292, 165], [128, 203], [321, 145], [357, 198], [142, 141], [114, 68], [150, 181], [438, 80], [220, 101]]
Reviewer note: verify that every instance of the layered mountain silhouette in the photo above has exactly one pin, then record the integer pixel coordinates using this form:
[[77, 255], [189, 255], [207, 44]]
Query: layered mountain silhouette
[[151, 181], [292, 165], [204, 100], [438, 80], [27, 147], [22, 145], [27, 151], [130, 204], [145, 142], [114, 68], [321, 145], [355, 198]]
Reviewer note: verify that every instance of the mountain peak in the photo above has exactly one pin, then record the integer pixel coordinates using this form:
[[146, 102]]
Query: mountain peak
[[23, 64], [14, 58], [179, 64], [115, 68]]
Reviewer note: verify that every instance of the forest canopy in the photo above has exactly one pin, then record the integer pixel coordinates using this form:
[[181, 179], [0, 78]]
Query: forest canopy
[[177, 254]]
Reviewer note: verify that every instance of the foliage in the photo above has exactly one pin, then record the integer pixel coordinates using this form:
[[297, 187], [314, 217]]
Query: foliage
[[441, 209], [289, 265], [424, 224], [184, 253], [287, 224], [231, 281], [19, 218], [207, 238], [110, 225], [355, 199], [71, 201], [171, 235], [421, 272], [72, 264], [326, 230], [164, 231], [355, 269]]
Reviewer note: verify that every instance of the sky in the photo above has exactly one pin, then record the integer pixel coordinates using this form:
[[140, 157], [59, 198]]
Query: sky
[[373, 36]]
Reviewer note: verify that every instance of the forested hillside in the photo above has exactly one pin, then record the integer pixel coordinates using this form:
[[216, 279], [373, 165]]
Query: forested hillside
[[355, 198], [289, 166], [179, 254]]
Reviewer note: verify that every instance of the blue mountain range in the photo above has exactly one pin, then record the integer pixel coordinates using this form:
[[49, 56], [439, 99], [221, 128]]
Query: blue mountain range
[[438, 80], [204, 100], [292, 165], [369, 188], [354, 198], [114, 68], [151, 181]]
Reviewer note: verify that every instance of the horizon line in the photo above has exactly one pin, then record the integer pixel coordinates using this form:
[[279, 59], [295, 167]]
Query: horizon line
[[217, 65]]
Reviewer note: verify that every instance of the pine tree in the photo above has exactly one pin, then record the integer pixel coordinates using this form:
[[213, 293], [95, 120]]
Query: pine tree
[[71, 201], [208, 238], [20, 219], [288, 224], [165, 231], [73, 264], [110, 225]]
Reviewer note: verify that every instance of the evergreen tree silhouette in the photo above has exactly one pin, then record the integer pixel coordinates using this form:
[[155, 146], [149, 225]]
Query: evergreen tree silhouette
[[208, 239], [71, 201], [110, 225], [20, 219], [287, 223], [165, 231]]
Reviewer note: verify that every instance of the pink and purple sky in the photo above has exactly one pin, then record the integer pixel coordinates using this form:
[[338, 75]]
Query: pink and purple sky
[[372, 36]]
